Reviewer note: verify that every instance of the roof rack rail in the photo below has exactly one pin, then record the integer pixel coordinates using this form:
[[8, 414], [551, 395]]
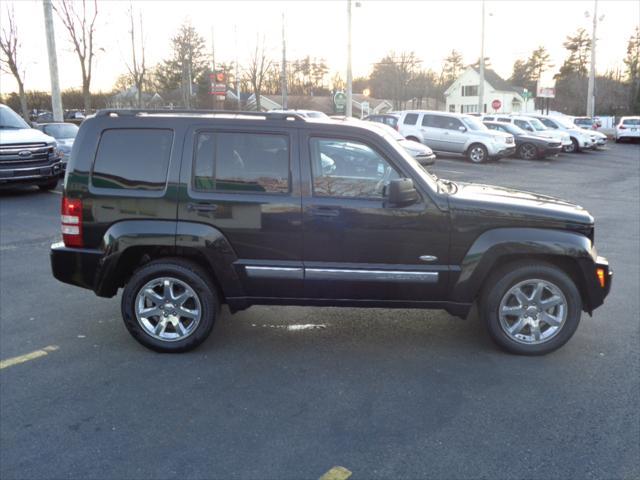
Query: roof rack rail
[[125, 112]]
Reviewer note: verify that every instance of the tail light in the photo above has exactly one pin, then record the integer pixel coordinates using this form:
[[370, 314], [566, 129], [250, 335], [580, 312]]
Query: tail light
[[622, 127], [71, 217]]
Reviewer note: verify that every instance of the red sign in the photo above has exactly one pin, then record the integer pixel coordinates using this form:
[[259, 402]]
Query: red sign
[[218, 84], [496, 104]]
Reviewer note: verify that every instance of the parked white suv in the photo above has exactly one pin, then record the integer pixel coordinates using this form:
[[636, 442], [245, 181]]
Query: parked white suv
[[455, 133], [628, 127], [534, 127], [580, 137]]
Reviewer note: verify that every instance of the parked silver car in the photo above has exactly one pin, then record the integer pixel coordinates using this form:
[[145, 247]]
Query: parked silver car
[[533, 126], [455, 133], [580, 137]]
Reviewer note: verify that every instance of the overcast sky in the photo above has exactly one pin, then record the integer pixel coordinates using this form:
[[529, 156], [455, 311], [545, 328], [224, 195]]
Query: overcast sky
[[318, 28]]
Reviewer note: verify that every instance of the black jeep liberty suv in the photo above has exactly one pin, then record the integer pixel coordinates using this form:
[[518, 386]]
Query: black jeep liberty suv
[[188, 210]]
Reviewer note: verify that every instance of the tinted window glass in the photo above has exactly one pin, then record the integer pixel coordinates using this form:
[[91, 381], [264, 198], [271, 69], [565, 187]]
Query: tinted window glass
[[449, 123], [504, 119], [61, 130], [391, 121], [410, 119], [631, 121], [523, 125], [241, 162], [548, 123], [342, 168], [135, 159]]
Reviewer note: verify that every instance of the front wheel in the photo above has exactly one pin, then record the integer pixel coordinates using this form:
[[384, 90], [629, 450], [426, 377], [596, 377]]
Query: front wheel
[[573, 148], [169, 305], [527, 151], [477, 153], [49, 185], [531, 309]]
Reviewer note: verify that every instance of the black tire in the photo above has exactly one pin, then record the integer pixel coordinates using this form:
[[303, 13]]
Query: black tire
[[524, 151], [189, 273], [49, 185], [476, 148], [617, 140], [575, 147], [511, 275]]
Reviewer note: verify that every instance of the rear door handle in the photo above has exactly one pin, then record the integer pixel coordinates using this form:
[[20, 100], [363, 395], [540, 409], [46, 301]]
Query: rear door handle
[[202, 207], [325, 212]]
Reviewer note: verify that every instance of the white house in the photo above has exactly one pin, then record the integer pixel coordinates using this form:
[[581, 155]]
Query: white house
[[462, 95]]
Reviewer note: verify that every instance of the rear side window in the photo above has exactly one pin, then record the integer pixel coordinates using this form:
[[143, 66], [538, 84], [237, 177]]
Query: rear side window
[[410, 119], [133, 159], [241, 162]]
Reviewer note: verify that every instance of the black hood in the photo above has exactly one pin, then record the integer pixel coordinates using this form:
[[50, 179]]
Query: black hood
[[523, 208]]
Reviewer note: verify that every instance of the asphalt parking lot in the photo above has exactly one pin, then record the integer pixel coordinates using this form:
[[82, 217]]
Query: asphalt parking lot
[[287, 393]]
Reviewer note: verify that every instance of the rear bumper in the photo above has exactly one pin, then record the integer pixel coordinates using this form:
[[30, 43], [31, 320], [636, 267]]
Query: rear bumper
[[75, 266]]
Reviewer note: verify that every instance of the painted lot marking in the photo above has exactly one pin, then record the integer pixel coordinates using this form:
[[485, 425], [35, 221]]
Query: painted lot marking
[[10, 362], [336, 473]]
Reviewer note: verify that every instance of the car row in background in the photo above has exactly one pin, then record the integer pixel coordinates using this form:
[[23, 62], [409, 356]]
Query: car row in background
[[535, 136]]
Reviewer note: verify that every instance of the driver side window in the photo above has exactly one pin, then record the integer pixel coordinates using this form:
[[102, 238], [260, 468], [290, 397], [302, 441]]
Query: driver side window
[[346, 168]]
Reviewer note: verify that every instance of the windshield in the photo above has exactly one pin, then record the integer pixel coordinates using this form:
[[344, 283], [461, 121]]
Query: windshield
[[10, 119], [61, 130], [631, 121], [513, 129], [473, 123], [537, 125], [565, 123]]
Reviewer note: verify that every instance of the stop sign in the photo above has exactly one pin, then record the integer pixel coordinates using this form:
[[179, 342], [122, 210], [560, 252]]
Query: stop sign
[[496, 104]]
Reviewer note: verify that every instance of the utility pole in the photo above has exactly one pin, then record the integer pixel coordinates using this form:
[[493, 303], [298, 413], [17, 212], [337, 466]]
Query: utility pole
[[284, 68], [213, 70], [235, 31], [189, 79], [348, 111], [481, 84], [591, 94], [56, 100]]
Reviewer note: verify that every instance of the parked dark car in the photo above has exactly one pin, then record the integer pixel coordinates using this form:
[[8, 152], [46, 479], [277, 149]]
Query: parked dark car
[[64, 133], [27, 156], [390, 119], [528, 147], [187, 211]]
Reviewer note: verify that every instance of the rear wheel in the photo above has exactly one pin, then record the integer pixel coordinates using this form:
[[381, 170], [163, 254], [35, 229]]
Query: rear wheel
[[531, 309], [527, 151], [169, 305], [477, 153]]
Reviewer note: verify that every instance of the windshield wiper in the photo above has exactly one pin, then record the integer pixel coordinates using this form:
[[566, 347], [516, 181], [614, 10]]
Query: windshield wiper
[[11, 127]]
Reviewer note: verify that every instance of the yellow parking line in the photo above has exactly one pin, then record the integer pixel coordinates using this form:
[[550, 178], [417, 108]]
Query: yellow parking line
[[10, 362], [336, 473]]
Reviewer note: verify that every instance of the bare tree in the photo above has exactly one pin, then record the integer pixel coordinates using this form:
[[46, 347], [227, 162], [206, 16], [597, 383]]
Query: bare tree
[[10, 45], [259, 66], [80, 24], [137, 69]]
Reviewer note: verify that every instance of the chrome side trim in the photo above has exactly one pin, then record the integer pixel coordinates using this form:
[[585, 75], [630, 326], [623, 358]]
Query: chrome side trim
[[293, 273], [370, 275]]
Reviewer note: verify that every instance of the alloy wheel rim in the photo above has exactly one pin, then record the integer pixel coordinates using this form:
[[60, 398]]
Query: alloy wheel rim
[[477, 154], [533, 311], [168, 309], [528, 152]]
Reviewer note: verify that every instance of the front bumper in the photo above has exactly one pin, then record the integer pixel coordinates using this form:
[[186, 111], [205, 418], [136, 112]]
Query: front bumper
[[500, 151], [594, 290], [550, 151], [31, 174]]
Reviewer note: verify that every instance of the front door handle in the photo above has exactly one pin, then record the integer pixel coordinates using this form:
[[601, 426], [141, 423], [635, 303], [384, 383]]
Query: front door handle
[[325, 212], [202, 207]]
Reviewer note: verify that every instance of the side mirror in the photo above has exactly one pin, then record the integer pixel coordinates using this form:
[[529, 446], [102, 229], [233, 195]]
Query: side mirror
[[462, 129], [400, 193]]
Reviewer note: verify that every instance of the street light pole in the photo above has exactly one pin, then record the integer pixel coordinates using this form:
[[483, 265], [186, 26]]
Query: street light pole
[[56, 100], [348, 111], [284, 68], [481, 83], [591, 94]]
